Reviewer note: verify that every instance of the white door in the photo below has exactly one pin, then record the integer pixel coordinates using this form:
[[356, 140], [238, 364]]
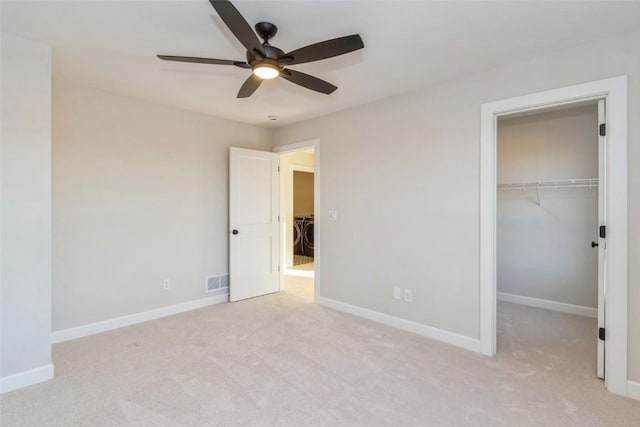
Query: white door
[[254, 242], [601, 241]]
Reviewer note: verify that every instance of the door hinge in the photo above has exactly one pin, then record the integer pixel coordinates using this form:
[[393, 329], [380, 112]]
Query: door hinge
[[603, 231], [278, 168], [601, 334], [278, 218], [603, 129], [278, 268]]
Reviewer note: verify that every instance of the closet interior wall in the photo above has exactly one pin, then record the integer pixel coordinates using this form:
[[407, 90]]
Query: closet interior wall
[[544, 236]]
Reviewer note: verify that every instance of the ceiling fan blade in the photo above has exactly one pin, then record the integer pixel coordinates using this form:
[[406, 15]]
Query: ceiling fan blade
[[249, 86], [238, 25], [325, 49], [196, 60], [310, 82]]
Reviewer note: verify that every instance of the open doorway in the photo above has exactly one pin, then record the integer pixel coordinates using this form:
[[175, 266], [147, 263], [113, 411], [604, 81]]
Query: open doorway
[[301, 243], [548, 268], [299, 236]]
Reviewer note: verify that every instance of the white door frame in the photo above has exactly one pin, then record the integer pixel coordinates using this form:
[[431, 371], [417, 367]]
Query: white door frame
[[614, 91], [317, 212]]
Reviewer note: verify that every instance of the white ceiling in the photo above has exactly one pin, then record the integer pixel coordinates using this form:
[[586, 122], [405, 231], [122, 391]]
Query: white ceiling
[[111, 45]]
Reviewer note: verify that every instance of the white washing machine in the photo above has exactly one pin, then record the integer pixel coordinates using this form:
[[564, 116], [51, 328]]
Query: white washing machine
[[298, 227], [307, 237]]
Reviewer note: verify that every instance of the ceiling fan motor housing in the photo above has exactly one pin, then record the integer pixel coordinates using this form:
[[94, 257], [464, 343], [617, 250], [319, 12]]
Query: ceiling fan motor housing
[[270, 53]]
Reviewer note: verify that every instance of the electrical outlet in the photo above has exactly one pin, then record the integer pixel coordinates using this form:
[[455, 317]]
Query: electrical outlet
[[333, 215], [408, 295], [397, 293], [166, 284]]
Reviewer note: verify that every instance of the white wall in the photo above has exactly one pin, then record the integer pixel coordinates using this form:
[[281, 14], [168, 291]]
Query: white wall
[[302, 193], [140, 193], [404, 175], [544, 251], [25, 225]]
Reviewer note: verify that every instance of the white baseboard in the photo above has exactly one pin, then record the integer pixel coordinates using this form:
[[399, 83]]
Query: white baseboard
[[633, 390], [26, 378], [549, 305], [457, 340], [132, 319]]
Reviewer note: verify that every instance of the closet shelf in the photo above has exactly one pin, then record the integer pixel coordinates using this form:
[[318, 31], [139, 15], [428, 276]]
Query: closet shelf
[[562, 183], [539, 185]]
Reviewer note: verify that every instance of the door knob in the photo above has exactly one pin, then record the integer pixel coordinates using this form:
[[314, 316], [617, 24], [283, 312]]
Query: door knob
[[594, 244], [235, 231]]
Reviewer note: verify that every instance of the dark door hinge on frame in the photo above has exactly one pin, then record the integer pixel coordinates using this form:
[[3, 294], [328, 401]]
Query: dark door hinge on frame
[[603, 129]]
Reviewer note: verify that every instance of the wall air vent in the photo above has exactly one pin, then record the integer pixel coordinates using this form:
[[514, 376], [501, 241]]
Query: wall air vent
[[213, 283], [224, 281]]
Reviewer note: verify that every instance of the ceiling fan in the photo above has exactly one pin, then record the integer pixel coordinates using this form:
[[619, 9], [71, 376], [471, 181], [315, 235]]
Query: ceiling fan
[[268, 62]]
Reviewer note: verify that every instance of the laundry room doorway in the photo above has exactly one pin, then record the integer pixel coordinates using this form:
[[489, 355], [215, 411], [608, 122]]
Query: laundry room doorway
[[302, 239], [298, 218]]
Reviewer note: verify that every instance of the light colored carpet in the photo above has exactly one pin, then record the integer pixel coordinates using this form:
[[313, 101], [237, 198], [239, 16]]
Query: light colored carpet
[[280, 360]]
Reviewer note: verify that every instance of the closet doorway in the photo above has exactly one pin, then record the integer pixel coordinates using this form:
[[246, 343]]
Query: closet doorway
[[549, 263], [612, 307]]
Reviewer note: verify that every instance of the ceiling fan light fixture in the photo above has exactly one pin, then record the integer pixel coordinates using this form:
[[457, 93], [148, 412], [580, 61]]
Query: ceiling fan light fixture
[[266, 71]]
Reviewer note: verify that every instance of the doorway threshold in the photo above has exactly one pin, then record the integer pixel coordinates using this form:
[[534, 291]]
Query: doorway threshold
[[299, 273]]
